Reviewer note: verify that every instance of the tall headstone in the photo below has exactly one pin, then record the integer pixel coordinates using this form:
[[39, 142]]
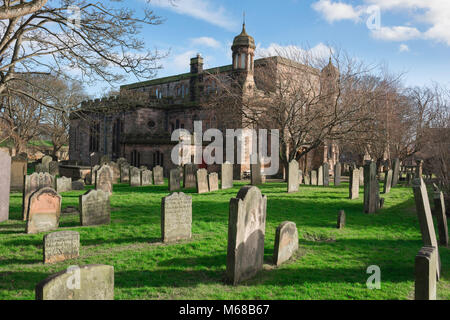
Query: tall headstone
[[371, 188], [176, 217], [307, 179], [44, 211], [158, 175], [189, 170], [387, 181], [96, 282], [361, 176], [94, 208], [61, 245], [441, 216], [45, 163], [135, 177], [326, 174], [103, 179], [174, 180], [320, 176], [354, 184], [337, 174], [33, 183], [202, 181], [286, 242], [5, 177], [213, 181], [314, 177], [146, 178], [124, 172], [246, 230], [63, 184], [425, 274], [18, 171], [292, 183], [255, 174], [227, 175], [395, 172], [53, 168]]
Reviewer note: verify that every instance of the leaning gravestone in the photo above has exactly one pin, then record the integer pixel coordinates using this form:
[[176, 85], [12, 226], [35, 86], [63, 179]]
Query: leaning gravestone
[[387, 182], [255, 174], [90, 282], [292, 183], [337, 174], [103, 179], [135, 177], [53, 168], [45, 161], [354, 184], [61, 245], [189, 170], [33, 183], [202, 181], [158, 175], [314, 177], [286, 242], [425, 274], [227, 175], [63, 184], [174, 180], [246, 230], [176, 217], [371, 188], [213, 181], [146, 177], [395, 172], [5, 176], [124, 173], [44, 211], [341, 219], [95, 208], [423, 210], [441, 216], [320, 176], [18, 171], [326, 174]]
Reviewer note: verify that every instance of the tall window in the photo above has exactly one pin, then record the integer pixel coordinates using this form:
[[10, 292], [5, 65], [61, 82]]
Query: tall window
[[94, 137], [243, 57]]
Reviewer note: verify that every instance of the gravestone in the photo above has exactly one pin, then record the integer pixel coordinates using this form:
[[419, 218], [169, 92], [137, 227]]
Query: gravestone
[[104, 160], [286, 242], [158, 175], [292, 183], [227, 175], [441, 216], [61, 245], [78, 185], [337, 174], [18, 171], [314, 177], [213, 181], [174, 180], [387, 182], [94, 208], [423, 210], [44, 211], [89, 282], [124, 173], [361, 176], [176, 217], [307, 179], [255, 174], [425, 274], [33, 183], [326, 174], [341, 219], [103, 179], [371, 188], [53, 168], [202, 181], [320, 176], [300, 177], [45, 161], [116, 171], [189, 170], [63, 184], [39, 167], [143, 168], [135, 177], [121, 161], [246, 230], [146, 178], [5, 185], [395, 172]]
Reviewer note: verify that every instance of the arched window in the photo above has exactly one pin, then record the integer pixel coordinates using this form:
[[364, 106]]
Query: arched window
[[243, 57]]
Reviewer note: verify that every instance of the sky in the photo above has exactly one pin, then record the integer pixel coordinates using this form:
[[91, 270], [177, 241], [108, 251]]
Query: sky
[[411, 37]]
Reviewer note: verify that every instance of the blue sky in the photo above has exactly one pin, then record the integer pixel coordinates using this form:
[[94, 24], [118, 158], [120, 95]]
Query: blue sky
[[413, 35]]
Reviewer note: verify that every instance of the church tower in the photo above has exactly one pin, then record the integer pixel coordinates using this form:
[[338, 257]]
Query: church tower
[[243, 49]]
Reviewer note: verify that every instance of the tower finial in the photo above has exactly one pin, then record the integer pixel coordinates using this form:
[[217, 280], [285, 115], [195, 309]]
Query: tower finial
[[243, 20]]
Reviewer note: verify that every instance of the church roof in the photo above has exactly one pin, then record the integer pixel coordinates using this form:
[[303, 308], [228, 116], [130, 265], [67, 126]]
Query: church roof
[[244, 40]]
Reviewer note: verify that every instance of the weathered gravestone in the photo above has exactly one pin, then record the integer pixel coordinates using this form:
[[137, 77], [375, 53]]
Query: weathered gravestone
[[387, 182], [121, 161], [103, 179], [90, 282], [146, 177], [292, 183], [95, 208], [326, 174], [174, 180], [45, 161], [18, 171], [176, 217], [354, 184], [5, 176], [135, 177], [189, 170], [124, 173], [307, 179], [341, 219], [425, 274], [158, 175], [202, 181], [213, 181], [246, 230], [371, 188], [320, 176], [361, 176], [314, 177], [441, 216], [61, 245], [33, 183], [255, 174], [423, 210], [286, 242], [63, 184], [300, 177], [116, 171], [227, 175], [44, 211], [337, 174], [53, 168], [395, 172]]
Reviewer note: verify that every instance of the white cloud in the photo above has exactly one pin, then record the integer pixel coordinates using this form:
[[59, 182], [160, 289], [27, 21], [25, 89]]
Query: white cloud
[[403, 48], [336, 11], [320, 51], [200, 9], [206, 41], [181, 62], [398, 33]]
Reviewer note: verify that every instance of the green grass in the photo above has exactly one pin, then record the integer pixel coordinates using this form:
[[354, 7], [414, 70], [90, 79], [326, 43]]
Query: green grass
[[330, 264]]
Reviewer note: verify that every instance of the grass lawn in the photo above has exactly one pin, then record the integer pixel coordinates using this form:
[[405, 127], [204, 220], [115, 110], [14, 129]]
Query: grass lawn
[[330, 263]]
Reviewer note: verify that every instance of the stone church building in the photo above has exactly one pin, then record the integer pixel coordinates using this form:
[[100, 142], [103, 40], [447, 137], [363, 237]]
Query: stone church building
[[141, 131]]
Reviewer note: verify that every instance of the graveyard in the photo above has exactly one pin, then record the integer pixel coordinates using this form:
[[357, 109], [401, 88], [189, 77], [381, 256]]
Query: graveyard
[[330, 263]]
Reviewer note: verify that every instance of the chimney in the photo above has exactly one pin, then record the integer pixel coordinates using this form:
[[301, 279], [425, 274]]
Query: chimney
[[197, 64]]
